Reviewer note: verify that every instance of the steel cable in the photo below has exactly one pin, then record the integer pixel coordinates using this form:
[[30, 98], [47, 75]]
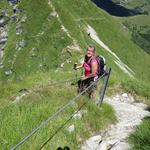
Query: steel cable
[[54, 115]]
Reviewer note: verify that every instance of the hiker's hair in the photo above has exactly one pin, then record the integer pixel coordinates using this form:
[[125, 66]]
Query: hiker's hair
[[92, 46]]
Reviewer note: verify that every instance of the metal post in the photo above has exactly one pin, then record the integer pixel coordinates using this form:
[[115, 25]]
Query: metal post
[[103, 89]]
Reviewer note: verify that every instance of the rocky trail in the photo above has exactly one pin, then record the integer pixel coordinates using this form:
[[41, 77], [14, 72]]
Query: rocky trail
[[129, 115]]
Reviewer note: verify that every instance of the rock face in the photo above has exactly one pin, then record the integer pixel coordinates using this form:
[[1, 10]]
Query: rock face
[[14, 2], [92, 143], [2, 22], [3, 40], [4, 18], [129, 114]]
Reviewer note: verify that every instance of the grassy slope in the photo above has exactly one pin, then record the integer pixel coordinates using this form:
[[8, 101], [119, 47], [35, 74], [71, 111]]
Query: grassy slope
[[48, 48], [141, 137], [40, 50], [18, 119], [111, 32]]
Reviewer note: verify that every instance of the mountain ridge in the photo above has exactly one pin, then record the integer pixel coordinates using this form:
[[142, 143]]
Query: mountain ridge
[[45, 39]]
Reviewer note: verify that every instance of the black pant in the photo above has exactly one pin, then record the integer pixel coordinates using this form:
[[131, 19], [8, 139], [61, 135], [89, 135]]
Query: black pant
[[83, 84]]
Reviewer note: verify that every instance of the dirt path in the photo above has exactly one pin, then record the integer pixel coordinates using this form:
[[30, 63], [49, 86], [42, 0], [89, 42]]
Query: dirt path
[[129, 114]]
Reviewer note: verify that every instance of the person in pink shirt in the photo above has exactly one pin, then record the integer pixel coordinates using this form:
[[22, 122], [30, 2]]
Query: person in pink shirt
[[90, 67]]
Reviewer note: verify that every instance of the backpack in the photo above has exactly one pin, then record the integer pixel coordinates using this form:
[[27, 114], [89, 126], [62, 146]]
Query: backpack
[[101, 65]]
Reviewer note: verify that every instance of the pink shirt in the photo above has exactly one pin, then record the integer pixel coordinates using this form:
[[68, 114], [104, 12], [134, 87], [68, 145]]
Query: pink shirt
[[87, 67]]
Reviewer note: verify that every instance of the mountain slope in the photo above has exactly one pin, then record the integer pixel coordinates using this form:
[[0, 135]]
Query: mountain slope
[[41, 47], [44, 41]]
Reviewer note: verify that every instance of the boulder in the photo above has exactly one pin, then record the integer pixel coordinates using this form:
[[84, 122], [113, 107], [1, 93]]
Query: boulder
[[1, 65], [22, 44], [3, 40], [77, 115], [71, 128], [2, 21], [125, 95], [92, 143], [3, 34], [9, 72], [103, 146]]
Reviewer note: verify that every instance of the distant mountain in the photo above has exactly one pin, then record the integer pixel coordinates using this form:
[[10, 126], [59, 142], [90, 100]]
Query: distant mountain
[[116, 9], [137, 5]]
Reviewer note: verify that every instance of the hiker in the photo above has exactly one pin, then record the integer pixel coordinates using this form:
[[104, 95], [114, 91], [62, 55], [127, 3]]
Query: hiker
[[90, 66]]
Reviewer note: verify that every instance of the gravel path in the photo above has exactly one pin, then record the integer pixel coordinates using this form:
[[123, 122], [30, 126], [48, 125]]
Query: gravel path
[[129, 114]]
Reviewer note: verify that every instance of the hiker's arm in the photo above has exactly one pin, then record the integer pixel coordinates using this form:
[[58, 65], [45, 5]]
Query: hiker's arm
[[94, 66]]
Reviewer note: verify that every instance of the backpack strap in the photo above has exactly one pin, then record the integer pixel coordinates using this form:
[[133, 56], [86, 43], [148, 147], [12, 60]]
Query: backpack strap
[[90, 60]]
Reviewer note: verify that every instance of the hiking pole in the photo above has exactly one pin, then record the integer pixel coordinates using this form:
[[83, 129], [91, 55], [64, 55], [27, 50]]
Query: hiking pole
[[76, 74], [74, 67]]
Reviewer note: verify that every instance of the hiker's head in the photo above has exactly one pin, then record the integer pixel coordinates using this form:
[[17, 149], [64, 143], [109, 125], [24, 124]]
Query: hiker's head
[[90, 51]]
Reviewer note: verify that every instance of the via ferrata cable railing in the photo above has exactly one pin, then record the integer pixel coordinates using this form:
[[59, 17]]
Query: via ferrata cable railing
[[62, 126], [54, 115]]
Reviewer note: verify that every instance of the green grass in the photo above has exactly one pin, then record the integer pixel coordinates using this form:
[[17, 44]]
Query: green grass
[[38, 64], [140, 139], [44, 50], [18, 119], [4, 5], [40, 50], [114, 36]]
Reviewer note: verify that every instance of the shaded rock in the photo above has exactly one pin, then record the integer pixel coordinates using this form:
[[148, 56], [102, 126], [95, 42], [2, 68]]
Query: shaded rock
[[40, 65], [68, 61], [33, 55], [53, 14], [15, 9], [14, 18], [3, 34], [121, 146], [113, 142], [13, 2], [9, 72], [19, 97], [22, 44], [18, 29], [62, 65], [1, 66], [4, 13], [125, 95], [92, 143], [2, 22], [23, 90], [1, 55], [77, 115], [3, 40], [103, 146], [24, 18]]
